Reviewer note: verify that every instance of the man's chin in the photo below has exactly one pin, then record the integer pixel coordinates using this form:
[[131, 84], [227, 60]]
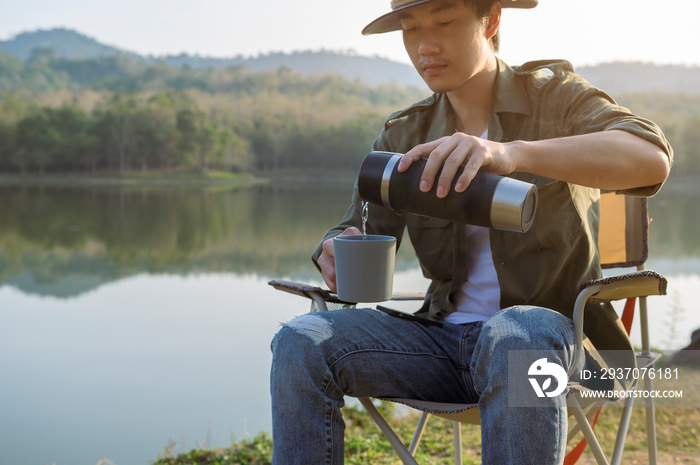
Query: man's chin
[[438, 88], [436, 84]]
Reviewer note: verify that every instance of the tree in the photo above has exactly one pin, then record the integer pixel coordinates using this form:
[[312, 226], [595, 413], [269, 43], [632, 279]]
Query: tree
[[157, 133], [35, 140], [269, 141], [688, 152], [116, 130], [190, 122], [235, 152]]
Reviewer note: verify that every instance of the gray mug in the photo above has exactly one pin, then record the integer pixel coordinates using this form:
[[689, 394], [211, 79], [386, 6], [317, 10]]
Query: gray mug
[[364, 267]]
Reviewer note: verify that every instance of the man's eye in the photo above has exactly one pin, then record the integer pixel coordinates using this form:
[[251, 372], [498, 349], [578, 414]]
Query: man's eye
[[445, 24]]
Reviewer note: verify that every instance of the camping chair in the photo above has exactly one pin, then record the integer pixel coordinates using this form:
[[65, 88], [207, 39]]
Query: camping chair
[[622, 243]]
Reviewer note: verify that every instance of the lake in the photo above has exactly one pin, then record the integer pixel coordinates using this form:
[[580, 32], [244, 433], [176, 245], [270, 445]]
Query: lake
[[136, 318]]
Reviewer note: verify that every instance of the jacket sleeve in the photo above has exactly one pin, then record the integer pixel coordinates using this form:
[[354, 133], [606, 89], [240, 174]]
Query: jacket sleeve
[[589, 109]]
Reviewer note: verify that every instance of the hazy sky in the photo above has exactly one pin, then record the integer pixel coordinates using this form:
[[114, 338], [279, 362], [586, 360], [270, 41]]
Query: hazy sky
[[584, 32]]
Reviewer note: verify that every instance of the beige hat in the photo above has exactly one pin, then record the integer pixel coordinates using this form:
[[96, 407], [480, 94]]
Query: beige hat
[[390, 21]]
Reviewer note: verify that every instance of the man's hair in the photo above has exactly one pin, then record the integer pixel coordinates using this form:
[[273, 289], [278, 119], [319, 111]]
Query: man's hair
[[483, 9]]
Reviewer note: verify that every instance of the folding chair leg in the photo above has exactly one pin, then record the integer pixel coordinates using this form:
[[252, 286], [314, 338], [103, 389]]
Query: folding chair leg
[[457, 429], [593, 443], [590, 412], [650, 414], [622, 431], [651, 424], [420, 428], [393, 439]]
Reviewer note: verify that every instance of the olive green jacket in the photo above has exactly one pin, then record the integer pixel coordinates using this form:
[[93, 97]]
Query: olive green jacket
[[543, 267]]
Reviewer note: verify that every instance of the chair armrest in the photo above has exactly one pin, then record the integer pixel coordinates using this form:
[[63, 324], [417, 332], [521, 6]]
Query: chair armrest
[[320, 297], [638, 284], [315, 293], [304, 290]]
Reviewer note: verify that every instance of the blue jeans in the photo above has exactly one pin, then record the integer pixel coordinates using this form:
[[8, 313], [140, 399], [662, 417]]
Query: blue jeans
[[321, 357]]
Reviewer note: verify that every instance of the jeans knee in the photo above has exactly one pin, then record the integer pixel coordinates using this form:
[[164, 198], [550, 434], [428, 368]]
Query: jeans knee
[[516, 335], [526, 327], [298, 341]]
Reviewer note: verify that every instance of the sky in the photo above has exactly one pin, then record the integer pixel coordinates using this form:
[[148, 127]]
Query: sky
[[584, 32]]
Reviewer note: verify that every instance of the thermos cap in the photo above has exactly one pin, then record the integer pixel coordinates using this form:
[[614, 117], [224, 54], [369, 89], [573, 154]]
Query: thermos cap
[[513, 205]]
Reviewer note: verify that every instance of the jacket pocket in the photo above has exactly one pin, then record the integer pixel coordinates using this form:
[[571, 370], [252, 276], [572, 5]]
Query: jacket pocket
[[426, 222], [433, 241]]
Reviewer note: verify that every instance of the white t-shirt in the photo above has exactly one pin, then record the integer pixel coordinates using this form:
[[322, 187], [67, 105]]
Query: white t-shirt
[[480, 295]]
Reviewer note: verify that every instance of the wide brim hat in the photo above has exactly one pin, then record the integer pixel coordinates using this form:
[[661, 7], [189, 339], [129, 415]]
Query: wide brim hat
[[391, 21]]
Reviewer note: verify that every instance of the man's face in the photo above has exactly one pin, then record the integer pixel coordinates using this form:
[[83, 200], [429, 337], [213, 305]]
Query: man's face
[[447, 43]]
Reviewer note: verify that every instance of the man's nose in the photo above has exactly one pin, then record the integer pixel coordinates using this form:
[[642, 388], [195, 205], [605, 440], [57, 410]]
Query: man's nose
[[429, 45]]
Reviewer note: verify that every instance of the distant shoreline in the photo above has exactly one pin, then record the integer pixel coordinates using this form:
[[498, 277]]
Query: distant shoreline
[[677, 183], [175, 179], [129, 179]]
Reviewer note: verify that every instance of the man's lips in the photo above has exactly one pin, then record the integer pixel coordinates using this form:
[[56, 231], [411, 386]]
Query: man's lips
[[432, 67]]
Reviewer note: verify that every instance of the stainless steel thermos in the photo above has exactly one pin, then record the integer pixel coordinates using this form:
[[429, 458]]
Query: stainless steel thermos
[[490, 200]]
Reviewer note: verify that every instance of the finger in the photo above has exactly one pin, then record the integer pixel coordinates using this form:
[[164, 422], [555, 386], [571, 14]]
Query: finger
[[326, 262], [328, 248], [328, 245], [328, 273], [418, 152], [470, 169], [454, 161], [351, 231], [436, 162]]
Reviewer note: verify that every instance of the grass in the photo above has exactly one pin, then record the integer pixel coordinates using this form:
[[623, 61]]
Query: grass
[[677, 429], [678, 433]]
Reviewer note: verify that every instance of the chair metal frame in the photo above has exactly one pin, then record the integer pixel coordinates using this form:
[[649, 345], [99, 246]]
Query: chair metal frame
[[634, 285]]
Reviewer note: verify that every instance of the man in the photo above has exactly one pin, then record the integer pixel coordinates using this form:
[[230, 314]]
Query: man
[[492, 291]]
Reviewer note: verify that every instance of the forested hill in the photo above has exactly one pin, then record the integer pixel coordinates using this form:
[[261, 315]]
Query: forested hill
[[91, 108], [65, 42], [69, 44], [616, 78]]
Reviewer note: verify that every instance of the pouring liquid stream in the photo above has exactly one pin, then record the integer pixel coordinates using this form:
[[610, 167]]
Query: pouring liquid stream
[[365, 215]]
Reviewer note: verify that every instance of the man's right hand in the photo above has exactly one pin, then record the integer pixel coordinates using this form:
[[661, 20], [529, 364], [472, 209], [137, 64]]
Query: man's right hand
[[326, 261]]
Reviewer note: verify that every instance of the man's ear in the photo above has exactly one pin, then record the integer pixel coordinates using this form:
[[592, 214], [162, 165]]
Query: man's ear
[[494, 20]]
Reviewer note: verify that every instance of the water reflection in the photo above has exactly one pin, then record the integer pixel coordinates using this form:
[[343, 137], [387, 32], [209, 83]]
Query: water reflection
[[128, 367], [675, 225], [66, 241], [131, 317], [63, 242]]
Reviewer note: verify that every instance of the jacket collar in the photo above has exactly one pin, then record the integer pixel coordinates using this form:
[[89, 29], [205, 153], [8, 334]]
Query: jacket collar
[[511, 96]]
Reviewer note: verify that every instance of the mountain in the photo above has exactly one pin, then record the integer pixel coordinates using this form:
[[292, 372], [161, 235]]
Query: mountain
[[636, 77], [65, 42], [373, 70], [617, 78]]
